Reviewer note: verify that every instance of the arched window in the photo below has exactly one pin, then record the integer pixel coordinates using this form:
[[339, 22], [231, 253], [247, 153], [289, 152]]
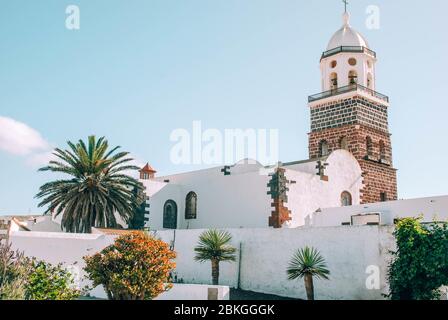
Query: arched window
[[333, 81], [191, 203], [323, 148], [346, 199], [369, 146], [352, 77], [369, 81], [382, 150], [170, 215], [343, 143]]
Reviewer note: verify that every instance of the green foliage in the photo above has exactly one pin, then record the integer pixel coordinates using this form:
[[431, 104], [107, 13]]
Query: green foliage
[[48, 282], [14, 268], [420, 264], [214, 245], [307, 261], [136, 267], [97, 189]]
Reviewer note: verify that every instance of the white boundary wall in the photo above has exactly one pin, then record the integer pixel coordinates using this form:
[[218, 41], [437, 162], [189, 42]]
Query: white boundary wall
[[265, 254], [431, 209]]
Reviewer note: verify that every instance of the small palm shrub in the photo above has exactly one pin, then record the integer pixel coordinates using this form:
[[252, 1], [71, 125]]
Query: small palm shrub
[[215, 246], [306, 264]]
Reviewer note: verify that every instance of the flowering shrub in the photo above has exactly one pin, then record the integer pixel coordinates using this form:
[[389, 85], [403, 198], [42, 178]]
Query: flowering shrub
[[136, 267]]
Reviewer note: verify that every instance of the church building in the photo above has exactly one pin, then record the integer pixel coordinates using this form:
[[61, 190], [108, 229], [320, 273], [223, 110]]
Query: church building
[[350, 159]]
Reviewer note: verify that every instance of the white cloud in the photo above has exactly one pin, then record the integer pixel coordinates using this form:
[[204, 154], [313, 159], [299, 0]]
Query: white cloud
[[17, 138], [40, 159]]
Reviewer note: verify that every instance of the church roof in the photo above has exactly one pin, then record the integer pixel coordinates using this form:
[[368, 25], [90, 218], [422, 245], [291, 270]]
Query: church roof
[[347, 36], [147, 168]]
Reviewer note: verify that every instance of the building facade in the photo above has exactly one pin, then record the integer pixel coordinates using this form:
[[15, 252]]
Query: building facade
[[350, 159], [250, 195]]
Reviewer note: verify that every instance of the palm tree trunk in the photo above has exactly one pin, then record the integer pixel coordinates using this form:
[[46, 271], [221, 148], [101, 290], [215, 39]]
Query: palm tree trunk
[[215, 272], [309, 286]]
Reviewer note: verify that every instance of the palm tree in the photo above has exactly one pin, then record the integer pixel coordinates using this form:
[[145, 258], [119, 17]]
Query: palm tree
[[307, 263], [97, 189], [214, 245]]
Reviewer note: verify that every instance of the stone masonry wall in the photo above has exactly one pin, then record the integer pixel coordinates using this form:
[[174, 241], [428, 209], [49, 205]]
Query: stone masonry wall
[[379, 174]]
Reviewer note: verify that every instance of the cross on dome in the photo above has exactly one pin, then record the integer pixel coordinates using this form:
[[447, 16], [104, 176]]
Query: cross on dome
[[345, 4]]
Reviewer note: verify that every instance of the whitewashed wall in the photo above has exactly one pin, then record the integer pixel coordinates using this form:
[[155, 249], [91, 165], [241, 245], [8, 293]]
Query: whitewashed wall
[[238, 200], [241, 200], [194, 292], [265, 256], [310, 193], [434, 208]]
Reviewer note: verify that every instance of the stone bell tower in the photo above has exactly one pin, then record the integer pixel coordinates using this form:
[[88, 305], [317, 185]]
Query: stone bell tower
[[349, 114]]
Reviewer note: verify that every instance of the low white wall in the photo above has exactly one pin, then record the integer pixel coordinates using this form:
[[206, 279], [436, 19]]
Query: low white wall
[[66, 248], [265, 254], [194, 292], [433, 208]]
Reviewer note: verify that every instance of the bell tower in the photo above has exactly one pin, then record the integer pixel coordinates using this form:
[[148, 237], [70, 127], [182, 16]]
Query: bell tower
[[350, 114]]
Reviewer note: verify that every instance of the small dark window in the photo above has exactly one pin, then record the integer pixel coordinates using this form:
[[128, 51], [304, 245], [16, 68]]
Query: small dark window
[[334, 81], [369, 146], [191, 203], [352, 77], [382, 150], [323, 148], [383, 196], [346, 199], [343, 143], [170, 215]]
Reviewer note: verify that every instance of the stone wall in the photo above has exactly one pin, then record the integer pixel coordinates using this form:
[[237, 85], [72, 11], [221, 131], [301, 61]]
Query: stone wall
[[348, 111], [354, 120]]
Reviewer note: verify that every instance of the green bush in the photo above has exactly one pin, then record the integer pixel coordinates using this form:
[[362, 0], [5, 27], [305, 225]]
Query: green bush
[[14, 268], [420, 264], [49, 282]]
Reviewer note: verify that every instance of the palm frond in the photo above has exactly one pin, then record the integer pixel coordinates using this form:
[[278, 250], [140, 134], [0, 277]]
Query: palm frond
[[307, 261], [214, 244], [97, 189]]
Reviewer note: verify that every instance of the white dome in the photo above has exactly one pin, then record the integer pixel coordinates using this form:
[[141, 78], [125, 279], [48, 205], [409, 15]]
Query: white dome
[[347, 36]]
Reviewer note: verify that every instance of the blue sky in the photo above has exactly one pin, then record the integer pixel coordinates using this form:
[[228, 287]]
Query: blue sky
[[136, 70]]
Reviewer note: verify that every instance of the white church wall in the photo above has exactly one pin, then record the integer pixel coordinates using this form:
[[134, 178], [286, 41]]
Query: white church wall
[[434, 208], [349, 252], [241, 199], [236, 200], [310, 193], [157, 202]]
